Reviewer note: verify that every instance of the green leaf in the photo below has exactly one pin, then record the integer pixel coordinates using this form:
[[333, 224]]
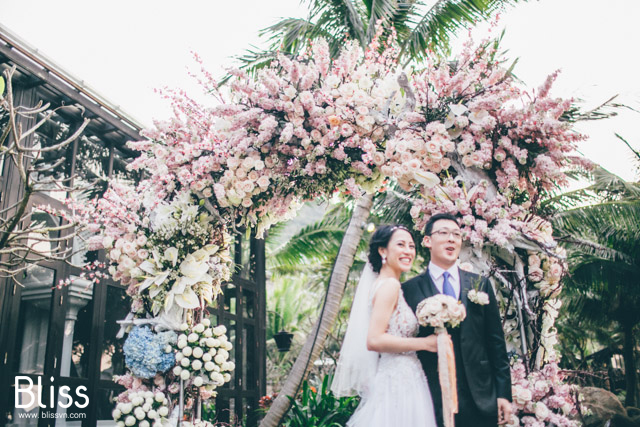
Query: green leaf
[[2, 86]]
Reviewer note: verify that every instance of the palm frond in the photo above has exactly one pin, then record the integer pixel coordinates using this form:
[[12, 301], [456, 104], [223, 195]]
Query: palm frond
[[318, 241], [341, 18], [380, 10], [434, 28], [635, 152]]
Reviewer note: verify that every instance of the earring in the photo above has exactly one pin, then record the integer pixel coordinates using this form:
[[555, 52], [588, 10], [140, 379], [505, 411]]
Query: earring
[[384, 259]]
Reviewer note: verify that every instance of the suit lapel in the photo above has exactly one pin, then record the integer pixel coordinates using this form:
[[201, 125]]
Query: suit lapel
[[465, 287], [427, 286]]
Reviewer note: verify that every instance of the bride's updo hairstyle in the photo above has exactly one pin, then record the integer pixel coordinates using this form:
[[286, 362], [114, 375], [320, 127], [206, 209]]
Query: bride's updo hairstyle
[[380, 239]]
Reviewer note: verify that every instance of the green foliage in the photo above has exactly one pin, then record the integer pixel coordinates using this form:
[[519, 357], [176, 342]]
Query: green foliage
[[420, 28], [320, 408], [289, 304]]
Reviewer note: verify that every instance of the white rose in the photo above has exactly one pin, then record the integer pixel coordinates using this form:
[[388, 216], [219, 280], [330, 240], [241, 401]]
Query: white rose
[[116, 414], [206, 322], [193, 337], [144, 423], [146, 407], [120, 424], [187, 351], [197, 352], [208, 332], [209, 366], [152, 414], [184, 327], [541, 410], [185, 362], [137, 401], [199, 328], [226, 377], [196, 365], [163, 411], [126, 408], [107, 242], [211, 342], [139, 413], [179, 357], [206, 357], [177, 370], [220, 359], [129, 421], [219, 330], [185, 375], [198, 381], [159, 397], [182, 344]]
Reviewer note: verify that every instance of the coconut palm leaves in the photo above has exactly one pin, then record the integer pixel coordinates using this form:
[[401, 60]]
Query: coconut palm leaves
[[603, 243], [420, 26]]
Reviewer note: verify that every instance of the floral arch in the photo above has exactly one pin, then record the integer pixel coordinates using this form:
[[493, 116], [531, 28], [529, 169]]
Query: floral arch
[[457, 137]]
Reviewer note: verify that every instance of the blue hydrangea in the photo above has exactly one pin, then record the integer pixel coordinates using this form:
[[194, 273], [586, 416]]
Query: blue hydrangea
[[144, 351]]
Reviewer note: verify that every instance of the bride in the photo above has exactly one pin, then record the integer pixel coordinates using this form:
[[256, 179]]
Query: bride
[[378, 356]]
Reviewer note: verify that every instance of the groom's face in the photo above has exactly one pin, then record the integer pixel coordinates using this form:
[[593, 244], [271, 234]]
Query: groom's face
[[444, 243]]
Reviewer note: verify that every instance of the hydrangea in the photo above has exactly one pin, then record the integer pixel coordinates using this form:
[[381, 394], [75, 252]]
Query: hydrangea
[[144, 351]]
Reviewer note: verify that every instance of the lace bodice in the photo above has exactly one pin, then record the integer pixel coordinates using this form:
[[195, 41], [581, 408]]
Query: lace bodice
[[403, 322]]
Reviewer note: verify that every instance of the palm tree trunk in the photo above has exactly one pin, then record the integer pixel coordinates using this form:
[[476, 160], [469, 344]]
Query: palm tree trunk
[[628, 353], [315, 341]]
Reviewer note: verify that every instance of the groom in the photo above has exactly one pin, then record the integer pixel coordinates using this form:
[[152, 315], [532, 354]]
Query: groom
[[482, 365]]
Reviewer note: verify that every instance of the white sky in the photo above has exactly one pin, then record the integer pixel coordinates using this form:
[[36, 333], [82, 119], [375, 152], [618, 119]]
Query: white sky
[[125, 49]]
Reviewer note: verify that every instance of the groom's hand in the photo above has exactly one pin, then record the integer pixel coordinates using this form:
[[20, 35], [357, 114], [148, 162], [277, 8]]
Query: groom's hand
[[504, 411]]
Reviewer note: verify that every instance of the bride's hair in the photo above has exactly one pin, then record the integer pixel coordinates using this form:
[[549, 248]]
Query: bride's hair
[[380, 239]]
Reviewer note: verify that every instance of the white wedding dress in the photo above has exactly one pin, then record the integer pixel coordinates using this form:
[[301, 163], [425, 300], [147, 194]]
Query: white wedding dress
[[398, 395]]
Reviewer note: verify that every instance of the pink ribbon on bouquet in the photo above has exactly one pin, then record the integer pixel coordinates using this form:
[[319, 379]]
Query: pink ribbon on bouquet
[[447, 376]]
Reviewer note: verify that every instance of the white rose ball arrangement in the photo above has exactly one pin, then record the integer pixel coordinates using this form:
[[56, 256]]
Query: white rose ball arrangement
[[202, 356], [143, 409]]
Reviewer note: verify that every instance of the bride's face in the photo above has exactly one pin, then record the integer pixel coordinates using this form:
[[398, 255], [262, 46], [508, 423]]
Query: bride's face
[[400, 252]]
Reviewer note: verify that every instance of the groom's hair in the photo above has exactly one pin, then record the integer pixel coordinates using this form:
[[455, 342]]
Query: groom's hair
[[437, 217], [380, 239]]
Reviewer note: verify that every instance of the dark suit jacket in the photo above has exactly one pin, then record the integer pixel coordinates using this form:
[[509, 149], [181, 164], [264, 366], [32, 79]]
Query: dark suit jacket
[[480, 342]]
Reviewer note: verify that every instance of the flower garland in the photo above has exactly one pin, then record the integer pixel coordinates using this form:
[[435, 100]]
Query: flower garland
[[542, 398]]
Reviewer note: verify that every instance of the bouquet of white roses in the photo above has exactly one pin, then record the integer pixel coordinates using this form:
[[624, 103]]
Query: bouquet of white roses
[[202, 356], [141, 409], [440, 311]]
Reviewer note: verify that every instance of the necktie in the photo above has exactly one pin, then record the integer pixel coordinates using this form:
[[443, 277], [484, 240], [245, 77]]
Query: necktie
[[447, 289]]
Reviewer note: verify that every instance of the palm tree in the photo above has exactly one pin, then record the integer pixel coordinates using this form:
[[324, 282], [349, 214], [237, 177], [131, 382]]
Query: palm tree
[[328, 313], [603, 242], [420, 27]]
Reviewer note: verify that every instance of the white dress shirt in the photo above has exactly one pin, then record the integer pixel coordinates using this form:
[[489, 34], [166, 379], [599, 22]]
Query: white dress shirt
[[437, 275]]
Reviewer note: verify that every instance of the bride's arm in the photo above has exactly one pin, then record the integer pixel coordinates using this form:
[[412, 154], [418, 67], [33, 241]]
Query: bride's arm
[[384, 302]]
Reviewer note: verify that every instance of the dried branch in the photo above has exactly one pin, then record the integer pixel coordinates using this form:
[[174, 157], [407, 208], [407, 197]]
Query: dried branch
[[23, 241]]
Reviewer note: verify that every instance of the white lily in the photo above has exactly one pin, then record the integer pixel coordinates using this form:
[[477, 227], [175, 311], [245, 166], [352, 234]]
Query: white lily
[[428, 179], [458, 109], [171, 254]]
